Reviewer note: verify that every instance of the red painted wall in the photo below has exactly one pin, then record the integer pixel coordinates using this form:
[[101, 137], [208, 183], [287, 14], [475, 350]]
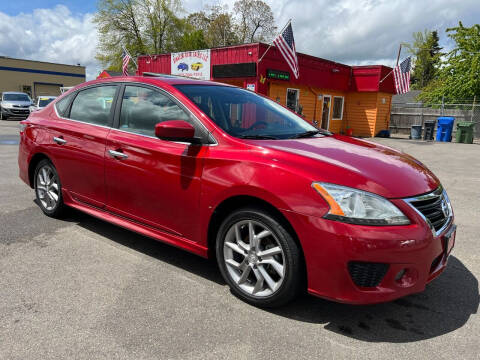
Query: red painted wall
[[314, 71]]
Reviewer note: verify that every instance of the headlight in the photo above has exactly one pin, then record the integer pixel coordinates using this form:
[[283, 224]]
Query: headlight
[[359, 207]]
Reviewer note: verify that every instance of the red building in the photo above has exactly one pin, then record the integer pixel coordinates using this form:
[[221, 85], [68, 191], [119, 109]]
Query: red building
[[331, 95]]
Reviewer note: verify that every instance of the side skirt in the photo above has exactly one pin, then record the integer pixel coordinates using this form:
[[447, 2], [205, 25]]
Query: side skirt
[[153, 233]]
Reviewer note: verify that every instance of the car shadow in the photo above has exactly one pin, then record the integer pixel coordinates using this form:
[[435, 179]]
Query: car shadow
[[444, 306], [148, 246]]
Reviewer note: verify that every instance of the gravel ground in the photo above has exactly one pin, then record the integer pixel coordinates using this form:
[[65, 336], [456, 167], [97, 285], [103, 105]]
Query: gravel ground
[[82, 288]]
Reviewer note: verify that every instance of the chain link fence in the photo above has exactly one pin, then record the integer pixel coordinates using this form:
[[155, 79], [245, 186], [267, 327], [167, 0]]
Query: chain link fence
[[404, 115]]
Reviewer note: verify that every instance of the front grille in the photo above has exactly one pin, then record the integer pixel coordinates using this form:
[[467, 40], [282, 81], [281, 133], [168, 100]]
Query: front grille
[[434, 207], [367, 274], [15, 111]]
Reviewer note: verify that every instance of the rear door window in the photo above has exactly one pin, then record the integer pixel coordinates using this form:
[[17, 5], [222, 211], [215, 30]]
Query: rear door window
[[62, 105], [94, 105]]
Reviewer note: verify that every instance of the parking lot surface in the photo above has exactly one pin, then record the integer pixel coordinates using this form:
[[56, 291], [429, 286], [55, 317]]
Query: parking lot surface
[[81, 288]]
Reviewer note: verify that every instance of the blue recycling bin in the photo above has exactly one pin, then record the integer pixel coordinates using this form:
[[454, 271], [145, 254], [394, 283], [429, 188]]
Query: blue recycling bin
[[444, 128]]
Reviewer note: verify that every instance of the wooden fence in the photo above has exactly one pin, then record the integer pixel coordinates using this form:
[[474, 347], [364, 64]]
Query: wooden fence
[[403, 116]]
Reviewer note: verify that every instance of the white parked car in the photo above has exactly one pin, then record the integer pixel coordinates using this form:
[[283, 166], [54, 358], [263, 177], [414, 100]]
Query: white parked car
[[41, 102]]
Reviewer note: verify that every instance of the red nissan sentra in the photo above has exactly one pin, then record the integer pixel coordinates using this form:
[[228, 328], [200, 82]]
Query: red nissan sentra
[[223, 172]]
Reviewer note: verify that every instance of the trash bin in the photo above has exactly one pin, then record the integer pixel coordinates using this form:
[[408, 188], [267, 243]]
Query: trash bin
[[416, 132], [465, 132], [444, 128], [429, 129]]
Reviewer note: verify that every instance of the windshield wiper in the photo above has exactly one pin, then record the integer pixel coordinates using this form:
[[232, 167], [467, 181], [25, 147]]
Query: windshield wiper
[[258, 137], [306, 134]]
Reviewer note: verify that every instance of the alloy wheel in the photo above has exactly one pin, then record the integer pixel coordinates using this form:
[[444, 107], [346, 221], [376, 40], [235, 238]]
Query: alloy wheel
[[47, 187], [254, 258]]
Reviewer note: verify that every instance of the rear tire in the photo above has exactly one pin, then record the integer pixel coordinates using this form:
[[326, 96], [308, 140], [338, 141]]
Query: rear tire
[[258, 258], [48, 189]]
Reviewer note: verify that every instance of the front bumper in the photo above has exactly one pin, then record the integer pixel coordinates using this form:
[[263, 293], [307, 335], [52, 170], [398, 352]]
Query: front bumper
[[16, 112], [411, 251]]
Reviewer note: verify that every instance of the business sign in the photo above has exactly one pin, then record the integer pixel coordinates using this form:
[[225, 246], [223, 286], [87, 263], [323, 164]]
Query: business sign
[[194, 64], [278, 74]]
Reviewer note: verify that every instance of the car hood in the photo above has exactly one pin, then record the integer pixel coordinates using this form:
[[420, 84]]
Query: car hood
[[18, 103], [360, 164]]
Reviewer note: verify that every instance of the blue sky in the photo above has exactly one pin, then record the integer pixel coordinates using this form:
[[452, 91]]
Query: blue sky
[[347, 31], [14, 7]]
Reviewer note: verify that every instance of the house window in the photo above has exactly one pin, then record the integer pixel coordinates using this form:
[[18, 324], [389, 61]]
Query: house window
[[337, 108], [292, 99]]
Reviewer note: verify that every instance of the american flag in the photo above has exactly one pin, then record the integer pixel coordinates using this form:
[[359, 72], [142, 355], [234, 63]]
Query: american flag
[[401, 74], [286, 44], [126, 60]]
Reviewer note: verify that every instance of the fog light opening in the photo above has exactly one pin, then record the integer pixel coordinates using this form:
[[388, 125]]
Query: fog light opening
[[400, 274], [406, 277]]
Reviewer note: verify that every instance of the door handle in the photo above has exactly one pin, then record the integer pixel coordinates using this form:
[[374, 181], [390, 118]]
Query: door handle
[[59, 140], [117, 154]]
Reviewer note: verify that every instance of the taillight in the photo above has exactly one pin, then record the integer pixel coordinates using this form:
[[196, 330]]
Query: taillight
[[22, 126]]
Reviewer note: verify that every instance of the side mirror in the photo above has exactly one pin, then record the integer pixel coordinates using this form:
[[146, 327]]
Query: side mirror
[[176, 130]]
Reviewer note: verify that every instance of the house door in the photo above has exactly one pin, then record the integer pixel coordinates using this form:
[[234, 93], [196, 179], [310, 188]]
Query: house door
[[327, 99]]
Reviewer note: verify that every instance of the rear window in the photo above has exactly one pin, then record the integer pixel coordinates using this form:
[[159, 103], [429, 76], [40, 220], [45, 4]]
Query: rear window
[[42, 102]]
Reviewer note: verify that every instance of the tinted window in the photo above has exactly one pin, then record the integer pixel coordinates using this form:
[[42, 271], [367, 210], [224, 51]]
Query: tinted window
[[143, 108], [42, 102], [243, 113], [62, 105], [94, 105], [16, 97]]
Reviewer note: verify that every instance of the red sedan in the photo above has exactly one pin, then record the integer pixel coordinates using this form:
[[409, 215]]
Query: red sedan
[[223, 172]]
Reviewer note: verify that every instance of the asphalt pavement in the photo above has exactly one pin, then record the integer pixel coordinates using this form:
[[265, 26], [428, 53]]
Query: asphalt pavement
[[80, 288]]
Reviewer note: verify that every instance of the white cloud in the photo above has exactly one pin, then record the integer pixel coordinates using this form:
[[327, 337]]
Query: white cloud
[[363, 31], [354, 31], [54, 35]]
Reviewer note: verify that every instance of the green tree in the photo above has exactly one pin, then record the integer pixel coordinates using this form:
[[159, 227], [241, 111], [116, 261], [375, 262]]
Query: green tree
[[162, 26], [191, 40], [142, 26], [216, 24], [427, 55], [255, 21], [459, 75]]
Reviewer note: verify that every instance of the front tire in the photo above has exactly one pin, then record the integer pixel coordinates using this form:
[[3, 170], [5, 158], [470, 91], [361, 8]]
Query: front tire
[[258, 258], [48, 189], [2, 117]]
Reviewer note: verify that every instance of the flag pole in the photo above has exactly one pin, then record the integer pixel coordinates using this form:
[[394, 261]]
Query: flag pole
[[399, 51], [125, 49], [269, 46], [398, 58]]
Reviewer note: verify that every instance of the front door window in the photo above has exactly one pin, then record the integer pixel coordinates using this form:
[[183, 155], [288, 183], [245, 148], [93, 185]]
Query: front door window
[[326, 111]]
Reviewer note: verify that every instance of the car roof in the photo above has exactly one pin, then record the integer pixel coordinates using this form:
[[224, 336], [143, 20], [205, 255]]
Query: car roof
[[153, 79], [47, 96], [14, 92]]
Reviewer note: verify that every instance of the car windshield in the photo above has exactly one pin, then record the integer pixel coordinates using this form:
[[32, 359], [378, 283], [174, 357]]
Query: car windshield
[[42, 102], [16, 97], [244, 114]]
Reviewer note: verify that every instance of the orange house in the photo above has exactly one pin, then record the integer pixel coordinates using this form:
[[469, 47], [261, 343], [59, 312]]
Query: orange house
[[330, 95]]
